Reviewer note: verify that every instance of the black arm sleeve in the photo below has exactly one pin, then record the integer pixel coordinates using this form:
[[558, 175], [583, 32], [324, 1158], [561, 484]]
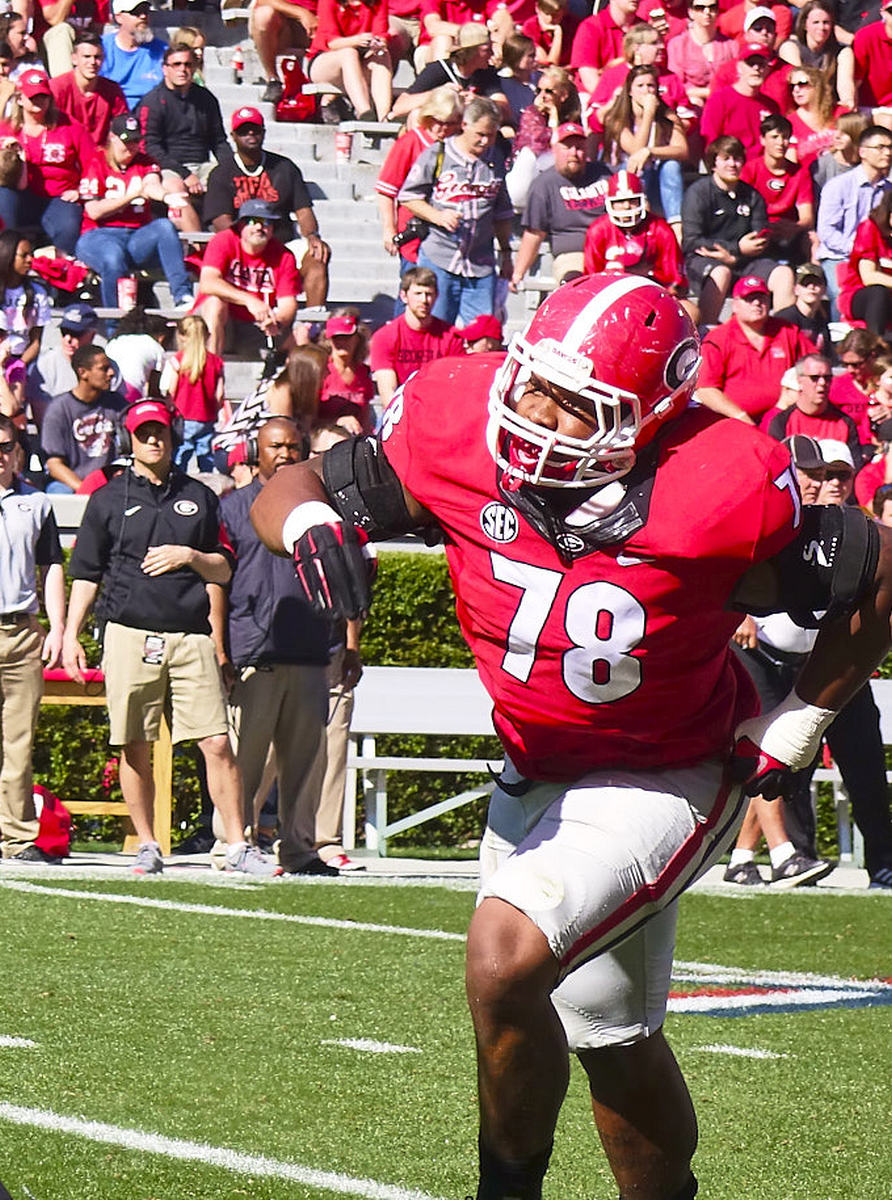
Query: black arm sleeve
[[365, 489], [823, 574]]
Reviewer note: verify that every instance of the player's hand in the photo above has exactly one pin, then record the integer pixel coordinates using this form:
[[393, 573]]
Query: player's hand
[[745, 634], [74, 659], [335, 566], [760, 774], [752, 243], [449, 219], [193, 185], [51, 652]]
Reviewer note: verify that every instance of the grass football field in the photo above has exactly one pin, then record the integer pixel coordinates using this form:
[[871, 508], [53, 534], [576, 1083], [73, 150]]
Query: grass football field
[[169, 1039]]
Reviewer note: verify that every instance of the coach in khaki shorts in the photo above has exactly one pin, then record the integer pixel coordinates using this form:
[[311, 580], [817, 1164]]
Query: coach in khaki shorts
[[150, 538]]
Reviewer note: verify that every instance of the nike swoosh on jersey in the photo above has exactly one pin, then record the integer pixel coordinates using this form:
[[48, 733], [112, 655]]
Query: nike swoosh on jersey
[[134, 508], [632, 560]]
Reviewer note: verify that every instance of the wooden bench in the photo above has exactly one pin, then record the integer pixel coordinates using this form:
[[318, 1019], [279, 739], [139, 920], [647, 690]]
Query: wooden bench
[[59, 688], [411, 700]]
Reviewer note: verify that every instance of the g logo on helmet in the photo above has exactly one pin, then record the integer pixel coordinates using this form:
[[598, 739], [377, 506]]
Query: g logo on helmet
[[682, 364]]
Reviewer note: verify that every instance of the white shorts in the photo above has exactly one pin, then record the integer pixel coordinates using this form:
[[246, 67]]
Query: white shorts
[[598, 866]]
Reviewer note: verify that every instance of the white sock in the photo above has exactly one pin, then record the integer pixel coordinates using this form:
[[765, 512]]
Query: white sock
[[741, 856], [781, 853], [235, 849]]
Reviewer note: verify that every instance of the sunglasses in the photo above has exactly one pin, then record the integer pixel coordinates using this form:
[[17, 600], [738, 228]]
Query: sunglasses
[[801, 83], [705, 8], [544, 91], [7, 447], [852, 364], [262, 222], [815, 378], [841, 474]]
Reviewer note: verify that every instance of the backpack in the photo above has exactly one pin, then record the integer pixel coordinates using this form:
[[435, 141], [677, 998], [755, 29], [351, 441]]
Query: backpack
[[295, 105], [54, 836]]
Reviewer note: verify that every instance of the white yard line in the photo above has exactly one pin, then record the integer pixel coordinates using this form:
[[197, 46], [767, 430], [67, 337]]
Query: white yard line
[[16, 1043], [739, 1051], [370, 1047], [218, 910], [201, 1152]]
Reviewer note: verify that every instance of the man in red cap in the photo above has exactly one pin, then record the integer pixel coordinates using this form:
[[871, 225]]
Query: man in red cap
[[249, 282], [739, 109], [415, 337], [744, 359], [252, 173], [151, 540], [484, 335], [563, 202]]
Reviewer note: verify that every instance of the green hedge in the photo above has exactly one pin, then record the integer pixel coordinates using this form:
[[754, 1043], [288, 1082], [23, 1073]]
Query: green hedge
[[412, 624]]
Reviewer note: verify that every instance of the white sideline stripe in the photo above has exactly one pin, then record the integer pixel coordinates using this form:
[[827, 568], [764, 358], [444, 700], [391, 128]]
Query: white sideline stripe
[[779, 999], [218, 910], [201, 1152], [739, 1051], [369, 1046], [16, 1043], [715, 973]]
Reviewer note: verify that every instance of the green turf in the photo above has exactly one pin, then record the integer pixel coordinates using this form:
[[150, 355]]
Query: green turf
[[212, 1028]]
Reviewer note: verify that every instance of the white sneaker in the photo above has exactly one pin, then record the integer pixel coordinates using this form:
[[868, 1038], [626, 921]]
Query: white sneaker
[[248, 860], [186, 304], [148, 859]]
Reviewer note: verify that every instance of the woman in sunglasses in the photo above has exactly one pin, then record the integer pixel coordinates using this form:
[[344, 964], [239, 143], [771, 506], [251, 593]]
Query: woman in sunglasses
[[555, 103], [813, 43], [813, 114]]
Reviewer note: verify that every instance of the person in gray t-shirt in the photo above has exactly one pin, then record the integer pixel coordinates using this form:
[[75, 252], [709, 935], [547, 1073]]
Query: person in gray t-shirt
[[458, 187], [80, 426]]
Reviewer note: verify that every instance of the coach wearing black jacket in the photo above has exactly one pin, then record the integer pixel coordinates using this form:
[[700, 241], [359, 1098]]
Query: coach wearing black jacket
[[183, 128], [151, 540]]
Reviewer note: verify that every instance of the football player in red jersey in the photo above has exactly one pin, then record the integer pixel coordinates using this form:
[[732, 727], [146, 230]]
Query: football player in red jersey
[[632, 240], [599, 534]]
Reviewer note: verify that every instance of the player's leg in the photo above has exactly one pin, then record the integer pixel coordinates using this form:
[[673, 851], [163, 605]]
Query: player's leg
[[645, 1118], [522, 1059]]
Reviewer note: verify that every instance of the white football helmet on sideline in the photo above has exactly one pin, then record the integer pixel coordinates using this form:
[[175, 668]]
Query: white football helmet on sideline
[[622, 343]]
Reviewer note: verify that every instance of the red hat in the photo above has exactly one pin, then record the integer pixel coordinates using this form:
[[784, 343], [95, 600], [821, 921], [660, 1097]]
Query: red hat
[[145, 411], [344, 325], [752, 50], [246, 116], [35, 83], [567, 130], [750, 285], [486, 325]]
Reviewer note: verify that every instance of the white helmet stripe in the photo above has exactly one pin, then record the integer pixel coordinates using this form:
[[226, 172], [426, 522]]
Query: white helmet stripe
[[587, 319]]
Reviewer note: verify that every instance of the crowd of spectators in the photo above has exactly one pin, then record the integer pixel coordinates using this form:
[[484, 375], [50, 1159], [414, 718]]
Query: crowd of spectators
[[740, 154]]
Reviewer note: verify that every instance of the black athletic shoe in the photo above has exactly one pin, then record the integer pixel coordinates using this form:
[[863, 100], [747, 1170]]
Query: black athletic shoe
[[34, 854], [315, 867], [800, 870], [746, 874], [199, 841], [273, 92], [881, 878]]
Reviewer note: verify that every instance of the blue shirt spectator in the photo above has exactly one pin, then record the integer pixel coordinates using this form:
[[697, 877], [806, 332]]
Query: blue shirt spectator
[[848, 199], [133, 57]]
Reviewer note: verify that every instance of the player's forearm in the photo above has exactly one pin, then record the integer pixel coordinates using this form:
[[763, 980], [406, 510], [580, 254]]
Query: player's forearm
[[288, 488], [530, 244], [213, 567], [83, 593], [54, 595]]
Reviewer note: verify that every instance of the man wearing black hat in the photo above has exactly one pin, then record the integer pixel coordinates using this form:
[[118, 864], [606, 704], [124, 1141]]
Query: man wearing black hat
[[119, 231], [252, 173], [249, 282], [808, 311]]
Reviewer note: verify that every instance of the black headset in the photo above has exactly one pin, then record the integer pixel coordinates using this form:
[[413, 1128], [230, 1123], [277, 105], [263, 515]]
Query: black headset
[[124, 438]]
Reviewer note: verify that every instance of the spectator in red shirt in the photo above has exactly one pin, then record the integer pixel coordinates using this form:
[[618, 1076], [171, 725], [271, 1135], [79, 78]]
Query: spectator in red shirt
[[865, 290], [872, 49], [350, 49], [414, 338], [552, 27], [813, 115], [347, 389], [813, 414], [760, 31], [744, 359], [786, 190], [249, 282], [86, 96], [696, 55], [56, 152], [739, 110], [119, 228], [599, 40], [737, 21], [57, 24], [193, 379], [440, 22]]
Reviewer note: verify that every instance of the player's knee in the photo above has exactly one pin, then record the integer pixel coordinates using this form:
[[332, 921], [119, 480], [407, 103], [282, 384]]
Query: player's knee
[[509, 961], [216, 746]]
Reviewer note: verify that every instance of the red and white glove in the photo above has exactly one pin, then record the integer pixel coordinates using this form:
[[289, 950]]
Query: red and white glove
[[769, 748], [335, 563]]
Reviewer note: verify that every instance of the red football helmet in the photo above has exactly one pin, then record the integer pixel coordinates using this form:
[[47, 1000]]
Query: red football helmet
[[625, 186], [623, 344]]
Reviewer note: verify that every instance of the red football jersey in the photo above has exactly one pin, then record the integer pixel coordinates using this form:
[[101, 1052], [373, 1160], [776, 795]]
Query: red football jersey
[[651, 249], [101, 180], [620, 659]]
